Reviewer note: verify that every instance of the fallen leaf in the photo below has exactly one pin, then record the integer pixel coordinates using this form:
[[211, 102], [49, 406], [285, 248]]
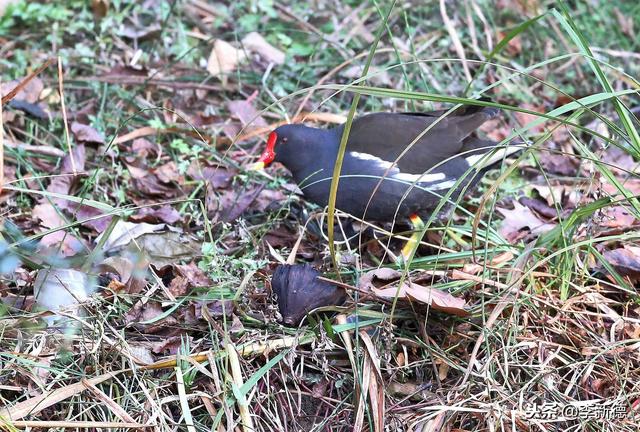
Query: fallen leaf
[[435, 298], [168, 173], [525, 118], [244, 111], [518, 219], [60, 242], [29, 93], [540, 207], [219, 177], [560, 164], [48, 216], [153, 215], [143, 148], [625, 22], [125, 232], [224, 58], [86, 134], [625, 261], [617, 217], [256, 43], [164, 248]]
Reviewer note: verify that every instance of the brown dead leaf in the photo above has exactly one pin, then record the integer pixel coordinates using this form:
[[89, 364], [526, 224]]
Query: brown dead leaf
[[153, 215], [47, 215], [224, 58], [86, 134], [29, 93], [540, 207], [514, 46], [184, 278], [625, 23], [625, 260], [219, 177], [62, 242], [435, 298], [144, 149], [244, 111], [256, 43], [168, 173], [617, 217], [518, 219], [526, 118]]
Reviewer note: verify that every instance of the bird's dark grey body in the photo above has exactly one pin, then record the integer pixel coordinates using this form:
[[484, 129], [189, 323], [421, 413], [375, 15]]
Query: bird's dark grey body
[[378, 173]]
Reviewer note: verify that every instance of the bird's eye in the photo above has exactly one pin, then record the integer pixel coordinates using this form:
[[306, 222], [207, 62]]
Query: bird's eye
[[285, 139]]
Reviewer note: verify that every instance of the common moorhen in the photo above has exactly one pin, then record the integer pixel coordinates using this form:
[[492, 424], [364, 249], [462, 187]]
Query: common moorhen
[[378, 175]]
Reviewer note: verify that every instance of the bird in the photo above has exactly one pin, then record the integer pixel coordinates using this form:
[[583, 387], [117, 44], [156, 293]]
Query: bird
[[397, 166]]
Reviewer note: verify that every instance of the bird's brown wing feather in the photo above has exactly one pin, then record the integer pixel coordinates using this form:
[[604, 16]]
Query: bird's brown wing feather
[[386, 135]]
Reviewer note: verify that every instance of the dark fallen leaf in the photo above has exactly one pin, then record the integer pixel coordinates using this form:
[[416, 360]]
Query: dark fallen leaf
[[32, 109], [244, 111], [539, 206], [432, 297], [219, 177], [625, 261], [141, 33], [184, 278], [86, 134], [560, 164], [153, 215], [299, 291], [168, 173], [215, 309], [29, 93], [143, 148], [62, 242], [617, 217], [518, 219], [231, 204]]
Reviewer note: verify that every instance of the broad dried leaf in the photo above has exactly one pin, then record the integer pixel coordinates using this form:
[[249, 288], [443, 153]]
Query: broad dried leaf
[[86, 133], [125, 232], [224, 58], [47, 215], [518, 219], [625, 260], [244, 111], [164, 213], [219, 177], [435, 298], [256, 43]]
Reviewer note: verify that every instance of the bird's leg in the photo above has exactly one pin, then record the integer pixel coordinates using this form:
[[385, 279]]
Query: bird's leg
[[414, 241]]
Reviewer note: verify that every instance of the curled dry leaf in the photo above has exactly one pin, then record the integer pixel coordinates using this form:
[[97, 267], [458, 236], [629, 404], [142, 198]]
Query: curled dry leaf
[[518, 219], [86, 133], [625, 261], [125, 232], [256, 43], [244, 111], [224, 58], [435, 298], [153, 215], [432, 297]]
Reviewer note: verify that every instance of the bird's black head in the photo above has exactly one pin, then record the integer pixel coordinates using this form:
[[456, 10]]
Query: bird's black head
[[290, 145]]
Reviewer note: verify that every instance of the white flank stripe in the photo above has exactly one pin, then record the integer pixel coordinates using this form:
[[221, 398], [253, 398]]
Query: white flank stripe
[[367, 157], [419, 178], [496, 156]]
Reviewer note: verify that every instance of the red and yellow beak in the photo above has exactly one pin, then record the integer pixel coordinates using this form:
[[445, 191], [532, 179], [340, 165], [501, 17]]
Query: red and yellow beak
[[268, 155]]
